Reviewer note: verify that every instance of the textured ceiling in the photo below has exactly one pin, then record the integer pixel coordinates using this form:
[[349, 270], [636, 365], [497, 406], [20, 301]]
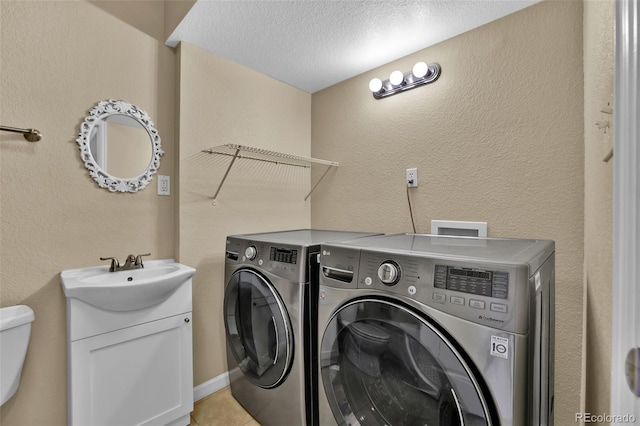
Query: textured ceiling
[[312, 44]]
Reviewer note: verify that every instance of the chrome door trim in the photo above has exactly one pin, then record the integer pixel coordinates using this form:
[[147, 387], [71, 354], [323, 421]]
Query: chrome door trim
[[455, 398], [275, 330], [285, 320]]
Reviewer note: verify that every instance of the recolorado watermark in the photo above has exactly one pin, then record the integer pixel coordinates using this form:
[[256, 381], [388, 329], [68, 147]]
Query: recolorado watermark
[[605, 418]]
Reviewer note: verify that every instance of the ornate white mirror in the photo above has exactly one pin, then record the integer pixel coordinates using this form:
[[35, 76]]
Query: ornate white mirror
[[120, 146]]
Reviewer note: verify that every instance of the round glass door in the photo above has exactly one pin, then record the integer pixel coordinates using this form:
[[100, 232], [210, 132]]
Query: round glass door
[[258, 328], [383, 364]]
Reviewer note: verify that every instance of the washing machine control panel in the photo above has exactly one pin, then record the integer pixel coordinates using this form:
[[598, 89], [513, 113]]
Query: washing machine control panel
[[283, 254], [480, 282], [283, 260], [494, 295]]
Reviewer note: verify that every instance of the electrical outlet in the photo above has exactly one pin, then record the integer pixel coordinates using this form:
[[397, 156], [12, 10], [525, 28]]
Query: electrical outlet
[[164, 185], [412, 178]]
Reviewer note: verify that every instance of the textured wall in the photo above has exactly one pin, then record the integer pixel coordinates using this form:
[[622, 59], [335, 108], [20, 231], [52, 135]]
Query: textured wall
[[257, 111], [498, 138], [598, 94], [58, 59]]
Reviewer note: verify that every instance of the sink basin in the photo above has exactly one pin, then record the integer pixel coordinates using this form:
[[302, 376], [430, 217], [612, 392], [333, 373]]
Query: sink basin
[[125, 290]]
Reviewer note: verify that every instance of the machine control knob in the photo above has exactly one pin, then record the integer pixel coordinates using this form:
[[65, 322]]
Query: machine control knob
[[251, 252], [389, 273]]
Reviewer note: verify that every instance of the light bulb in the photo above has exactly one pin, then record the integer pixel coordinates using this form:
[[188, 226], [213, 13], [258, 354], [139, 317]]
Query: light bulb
[[396, 78], [420, 69], [375, 85]]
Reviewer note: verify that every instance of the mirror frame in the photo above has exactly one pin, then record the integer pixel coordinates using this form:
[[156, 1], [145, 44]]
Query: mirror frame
[[102, 111]]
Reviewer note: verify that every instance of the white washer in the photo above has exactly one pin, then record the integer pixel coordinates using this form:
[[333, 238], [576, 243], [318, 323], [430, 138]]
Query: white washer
[[423, 329], [270, 314]]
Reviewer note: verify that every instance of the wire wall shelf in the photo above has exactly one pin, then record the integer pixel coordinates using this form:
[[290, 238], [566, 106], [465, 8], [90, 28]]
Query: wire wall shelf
[[258, 154]]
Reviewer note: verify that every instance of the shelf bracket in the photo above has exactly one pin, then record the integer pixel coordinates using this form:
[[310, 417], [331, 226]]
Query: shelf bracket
[[318, 182], [235, 156]]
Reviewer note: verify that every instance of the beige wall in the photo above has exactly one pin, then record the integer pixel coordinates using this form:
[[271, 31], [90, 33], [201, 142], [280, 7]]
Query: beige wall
[[58, 59], [498, 138], [224, 103], [598, 94]]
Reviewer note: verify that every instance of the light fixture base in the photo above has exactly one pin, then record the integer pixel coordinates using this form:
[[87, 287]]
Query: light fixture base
[[410, 82]]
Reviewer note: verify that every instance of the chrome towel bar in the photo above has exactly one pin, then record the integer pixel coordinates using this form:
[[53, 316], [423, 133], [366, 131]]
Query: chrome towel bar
[[32, 135]]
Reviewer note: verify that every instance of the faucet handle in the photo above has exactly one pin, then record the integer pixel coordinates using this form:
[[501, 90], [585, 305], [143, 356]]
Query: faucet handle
[[139, 259], [114, 263]]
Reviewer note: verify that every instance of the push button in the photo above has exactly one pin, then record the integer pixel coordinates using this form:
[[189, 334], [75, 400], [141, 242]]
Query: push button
[[440, 298], [457, 300], [499, 307], [478, 304]]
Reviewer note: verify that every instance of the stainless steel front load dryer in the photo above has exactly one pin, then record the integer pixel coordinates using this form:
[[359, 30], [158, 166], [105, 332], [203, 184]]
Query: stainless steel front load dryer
[[270, 315], [428, 330]]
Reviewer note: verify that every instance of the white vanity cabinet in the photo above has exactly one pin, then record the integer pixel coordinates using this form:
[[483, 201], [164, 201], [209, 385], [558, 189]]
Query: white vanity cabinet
[[137, 375], [131, 367]]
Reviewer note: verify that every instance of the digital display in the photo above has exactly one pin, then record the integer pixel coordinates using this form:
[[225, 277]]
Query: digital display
[[472, 281], [283, 255], [471, 273]]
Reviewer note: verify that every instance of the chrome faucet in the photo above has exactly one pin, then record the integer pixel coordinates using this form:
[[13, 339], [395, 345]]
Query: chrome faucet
[[115, 265], [132, 262], [138, 263]]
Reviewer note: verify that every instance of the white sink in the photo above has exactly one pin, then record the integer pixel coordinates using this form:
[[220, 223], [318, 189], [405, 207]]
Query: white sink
[[125, 290]]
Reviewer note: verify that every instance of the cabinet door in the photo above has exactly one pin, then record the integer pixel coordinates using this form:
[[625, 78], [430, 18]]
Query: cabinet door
[[141, 375]]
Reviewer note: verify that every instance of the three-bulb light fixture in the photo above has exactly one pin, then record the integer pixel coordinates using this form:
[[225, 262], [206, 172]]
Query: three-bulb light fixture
[[421, 74]]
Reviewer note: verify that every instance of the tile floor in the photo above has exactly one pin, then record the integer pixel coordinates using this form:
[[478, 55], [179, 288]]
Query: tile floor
[[220, 409]]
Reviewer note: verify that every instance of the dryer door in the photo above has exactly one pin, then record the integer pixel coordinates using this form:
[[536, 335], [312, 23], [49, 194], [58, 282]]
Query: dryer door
[[384, 364], [258, 328]]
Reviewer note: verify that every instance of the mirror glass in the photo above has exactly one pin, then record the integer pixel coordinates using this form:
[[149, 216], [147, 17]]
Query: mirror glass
[[120, 146]]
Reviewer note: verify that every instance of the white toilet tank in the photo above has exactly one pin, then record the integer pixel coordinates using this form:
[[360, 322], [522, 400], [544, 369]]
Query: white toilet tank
[[15, 329]]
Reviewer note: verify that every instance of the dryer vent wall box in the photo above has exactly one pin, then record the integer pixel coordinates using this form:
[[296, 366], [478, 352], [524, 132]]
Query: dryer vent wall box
[[459, 228]]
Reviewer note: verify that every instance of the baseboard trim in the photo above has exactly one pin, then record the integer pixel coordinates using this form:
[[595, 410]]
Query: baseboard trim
[[210, 386]]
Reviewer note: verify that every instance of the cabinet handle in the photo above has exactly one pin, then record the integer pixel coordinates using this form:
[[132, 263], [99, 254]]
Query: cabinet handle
[[187, 320]]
